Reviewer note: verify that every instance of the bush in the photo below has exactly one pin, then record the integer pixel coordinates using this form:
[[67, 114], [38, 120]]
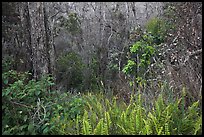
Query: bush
[[158, 28], [23, 103], [69, 69]]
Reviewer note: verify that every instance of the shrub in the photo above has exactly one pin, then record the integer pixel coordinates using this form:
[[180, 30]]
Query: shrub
[[69, 68], [23, 108]]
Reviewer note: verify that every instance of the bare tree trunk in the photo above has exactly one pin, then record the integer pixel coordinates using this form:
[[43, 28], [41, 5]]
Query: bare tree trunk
[[41, 43], [26, 36]]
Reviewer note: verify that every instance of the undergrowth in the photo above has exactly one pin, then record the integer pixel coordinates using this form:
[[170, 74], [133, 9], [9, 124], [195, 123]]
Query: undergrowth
[[103, 116], [30, 107]]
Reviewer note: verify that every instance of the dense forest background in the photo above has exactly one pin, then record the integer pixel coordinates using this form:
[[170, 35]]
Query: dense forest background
[[101, 68]]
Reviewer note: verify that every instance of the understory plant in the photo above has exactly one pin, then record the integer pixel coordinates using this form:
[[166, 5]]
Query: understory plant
[[24, 103], [103, 116]]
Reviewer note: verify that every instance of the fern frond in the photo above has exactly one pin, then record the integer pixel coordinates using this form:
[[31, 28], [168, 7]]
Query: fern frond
[[107, 103], [99, 128], [153, 118], [198, 126], [139, 116], [123, 129], [93, 119], [123, 120], [77, 125], [105, 129], [160, 131], [147, 130], [86, 127], [108, 120], [132, 122], [166, 131]]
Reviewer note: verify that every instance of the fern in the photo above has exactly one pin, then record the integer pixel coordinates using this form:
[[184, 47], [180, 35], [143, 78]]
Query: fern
[[100, 109], [154, 120], [159, 105], [86, 128], [198, 126], [93, 119], [99, 128], [166, 132], [105, 128], [107, 120], [122, 128], [123, 119], [160, 131], [77, 125], [139, 119], [107, 103]]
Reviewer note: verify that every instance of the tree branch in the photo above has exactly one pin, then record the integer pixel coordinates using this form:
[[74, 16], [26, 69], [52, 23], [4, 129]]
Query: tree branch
[[20, 104], [197, 52]]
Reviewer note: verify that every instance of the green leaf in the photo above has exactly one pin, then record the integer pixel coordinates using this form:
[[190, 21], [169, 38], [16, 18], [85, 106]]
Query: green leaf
[[25, 118], [131, 83], [45, 130], [135, 47], [30, 128], [22, 127], [7, 92], [37, 92], [6, 81]]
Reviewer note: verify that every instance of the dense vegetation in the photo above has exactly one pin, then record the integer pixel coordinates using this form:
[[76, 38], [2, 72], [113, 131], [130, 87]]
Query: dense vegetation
[[29, 110], [131, 95]]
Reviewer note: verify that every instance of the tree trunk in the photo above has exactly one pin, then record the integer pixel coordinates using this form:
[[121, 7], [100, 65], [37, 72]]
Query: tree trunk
[[26, 36], [41, 42]]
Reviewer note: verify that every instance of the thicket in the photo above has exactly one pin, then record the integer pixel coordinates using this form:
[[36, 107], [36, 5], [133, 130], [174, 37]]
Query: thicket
[[30, 107], [69, 71]]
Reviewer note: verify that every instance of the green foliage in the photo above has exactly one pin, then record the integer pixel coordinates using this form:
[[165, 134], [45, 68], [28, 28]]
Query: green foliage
[[158, 28], [75, 107], [130, 67], [103, 116], [69, 67], [7, 62], [30, 108], [23, 110], [145, 49], [97, 114], [93, 67], [72, 23], [142, 54]]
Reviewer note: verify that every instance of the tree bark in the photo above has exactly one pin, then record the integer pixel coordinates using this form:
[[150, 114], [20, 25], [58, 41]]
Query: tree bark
[[41, 42]]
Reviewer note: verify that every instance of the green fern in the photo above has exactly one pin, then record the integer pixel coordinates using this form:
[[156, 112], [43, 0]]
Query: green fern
[[160, 131], [123, 129], [139, 119], [107, 120], [198, 126], [155, 122], [93, 119], [77, 125], [99, 130], [166, 132], [147, 128], [86, 127], [123, 119], [108, 106], [104, 117], [132, 122]]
